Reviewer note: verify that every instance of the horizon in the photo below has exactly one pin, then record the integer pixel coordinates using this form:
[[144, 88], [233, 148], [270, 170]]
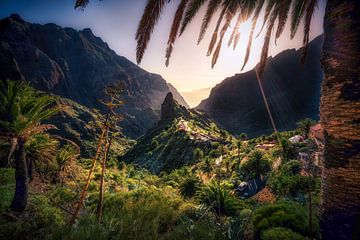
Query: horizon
[[189, 69]]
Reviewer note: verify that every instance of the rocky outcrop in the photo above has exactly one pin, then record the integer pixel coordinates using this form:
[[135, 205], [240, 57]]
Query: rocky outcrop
[[293, 93], [78, 65], [170, 109]]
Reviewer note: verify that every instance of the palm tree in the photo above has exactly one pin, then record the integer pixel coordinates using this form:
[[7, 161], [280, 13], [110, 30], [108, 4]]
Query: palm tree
[[256, 165], [21, 111], [340, 100]]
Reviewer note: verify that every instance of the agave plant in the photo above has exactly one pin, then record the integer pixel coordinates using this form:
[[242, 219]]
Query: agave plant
[[40, 149], [21, 111], [218, 199], [189, 186]]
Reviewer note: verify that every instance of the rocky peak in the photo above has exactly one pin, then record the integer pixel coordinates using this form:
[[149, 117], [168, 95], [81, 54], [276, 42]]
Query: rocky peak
[[170, 109]]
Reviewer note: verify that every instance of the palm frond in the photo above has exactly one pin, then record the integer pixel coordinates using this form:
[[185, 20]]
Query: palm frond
[[215, 33], [297, 14], [254, 21], [269, 7], [192, 9], [211, 9], [284, 8], [235, 30], [265, 48], [309, 13], [146, 26], [229, 16], [174, 29], [81, 4]]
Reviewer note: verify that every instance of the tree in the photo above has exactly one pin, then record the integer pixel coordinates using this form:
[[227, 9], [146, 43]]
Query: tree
[[340, 100], [304, 126], [21, 111], [256, 165]]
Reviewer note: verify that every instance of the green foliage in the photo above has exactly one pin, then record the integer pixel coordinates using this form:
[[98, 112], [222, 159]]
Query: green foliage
[[280, 233], [21, 108], [7, 185], [256, 165], [41, 220], [284, 214], [288, 182], [219, 199], [189, 186], [65, 154], [304, 126]]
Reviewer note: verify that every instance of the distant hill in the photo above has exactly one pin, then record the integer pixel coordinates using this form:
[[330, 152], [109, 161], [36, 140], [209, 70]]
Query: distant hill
[[78, 65], [293, 93], [194, 97], [172, 142]]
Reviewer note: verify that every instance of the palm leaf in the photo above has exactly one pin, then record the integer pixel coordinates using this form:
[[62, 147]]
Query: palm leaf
[[81, 4], [309, 13], [235, 30], [282, 17], [265, 48], [191, 10], [146, 26], [270, 5], [211, 9], [254, 21], [174, 29], [215, 33], [297, 14]]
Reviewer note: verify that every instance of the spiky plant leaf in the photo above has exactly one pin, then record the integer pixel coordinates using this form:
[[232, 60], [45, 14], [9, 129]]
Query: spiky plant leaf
[[146, 26], [175, 29]]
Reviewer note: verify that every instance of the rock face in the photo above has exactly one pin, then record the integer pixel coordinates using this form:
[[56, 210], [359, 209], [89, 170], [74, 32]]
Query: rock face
[[293, 93], [170, 109], [78, 65]]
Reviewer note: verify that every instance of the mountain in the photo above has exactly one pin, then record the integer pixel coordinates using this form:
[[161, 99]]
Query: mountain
[[78, 65], [293, 93], [172, 142]]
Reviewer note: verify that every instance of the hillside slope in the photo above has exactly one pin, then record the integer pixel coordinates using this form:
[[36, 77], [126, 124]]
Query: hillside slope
[[78, 65], [293, 93], [172, 142]]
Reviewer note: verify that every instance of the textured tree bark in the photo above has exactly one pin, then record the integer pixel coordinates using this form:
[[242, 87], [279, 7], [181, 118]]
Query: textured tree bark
[[340, 117], [19, 201]]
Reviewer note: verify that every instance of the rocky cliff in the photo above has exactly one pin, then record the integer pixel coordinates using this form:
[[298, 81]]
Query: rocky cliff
[[172, 142], [78, 65], [293, 93]]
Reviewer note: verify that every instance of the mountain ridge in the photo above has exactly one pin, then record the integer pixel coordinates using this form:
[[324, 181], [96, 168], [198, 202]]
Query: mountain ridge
[[293, 94], [78, 65]]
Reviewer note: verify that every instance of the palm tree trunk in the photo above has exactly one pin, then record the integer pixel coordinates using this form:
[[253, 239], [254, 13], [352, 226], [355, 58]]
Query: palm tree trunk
[[19, 201], [340, 117]]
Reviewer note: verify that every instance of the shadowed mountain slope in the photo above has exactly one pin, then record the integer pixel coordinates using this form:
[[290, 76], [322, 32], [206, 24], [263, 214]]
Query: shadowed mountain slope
[[293, 93], [78, 65]]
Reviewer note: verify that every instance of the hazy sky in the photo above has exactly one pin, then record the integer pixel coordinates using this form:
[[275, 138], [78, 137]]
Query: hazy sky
[[115, 21]]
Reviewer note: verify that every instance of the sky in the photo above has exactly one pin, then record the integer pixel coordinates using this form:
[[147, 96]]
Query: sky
[[115, 21]]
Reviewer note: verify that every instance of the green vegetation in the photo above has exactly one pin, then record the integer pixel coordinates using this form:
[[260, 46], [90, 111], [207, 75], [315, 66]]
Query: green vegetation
[[182, 180]]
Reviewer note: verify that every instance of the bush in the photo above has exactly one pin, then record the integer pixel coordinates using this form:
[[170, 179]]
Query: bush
[[280, 233], [7, 187], [284, 214]]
